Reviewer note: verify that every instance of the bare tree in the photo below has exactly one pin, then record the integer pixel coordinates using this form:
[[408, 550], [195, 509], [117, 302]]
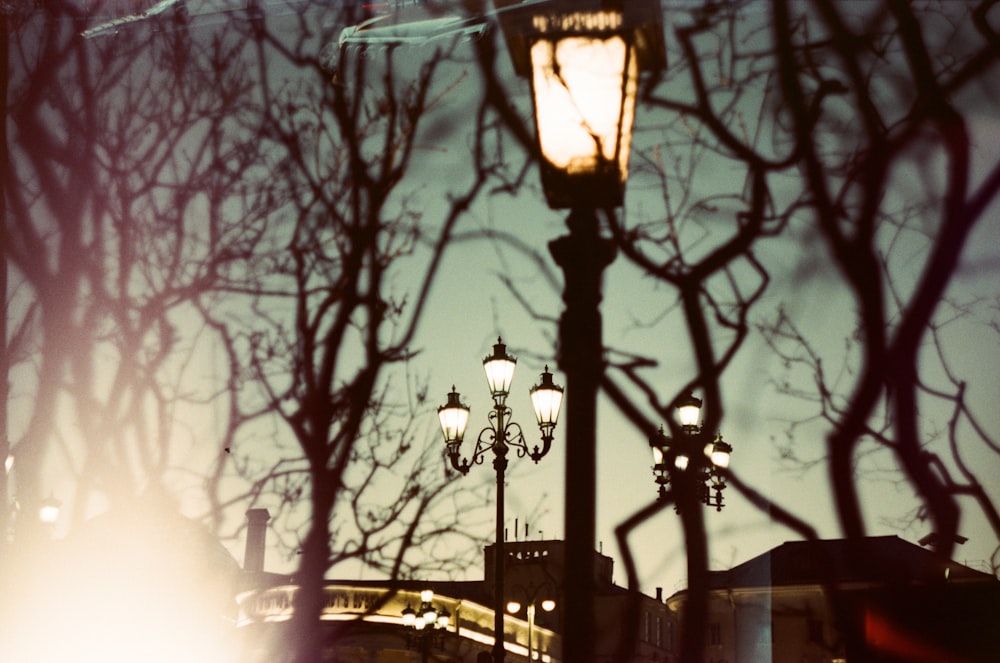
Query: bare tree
[[844, 133], [113, 227], [823, 114], [115, 174], [322, 326], [208, 220]]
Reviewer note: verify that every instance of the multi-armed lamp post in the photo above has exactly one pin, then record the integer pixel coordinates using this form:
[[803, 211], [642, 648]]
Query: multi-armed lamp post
[[705, 465], [500, 436], [427, 622], [584, 59]]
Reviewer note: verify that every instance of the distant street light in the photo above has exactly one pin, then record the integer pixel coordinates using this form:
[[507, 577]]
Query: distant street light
[[499, 436], [48, 510], [425, 621], [533, 601], [583, 58], [706, 464]]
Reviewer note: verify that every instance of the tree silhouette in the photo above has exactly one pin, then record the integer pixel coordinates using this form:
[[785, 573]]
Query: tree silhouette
[[846, 137], [204, 221], [824, 116]]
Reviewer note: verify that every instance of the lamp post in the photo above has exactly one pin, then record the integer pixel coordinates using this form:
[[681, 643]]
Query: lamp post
[[705, 465], [48, 511], [532, 602], [426, 622], [583, 58], [499, 436]]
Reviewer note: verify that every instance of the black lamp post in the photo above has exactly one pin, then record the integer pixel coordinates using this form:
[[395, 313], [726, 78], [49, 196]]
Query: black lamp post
[[535, 596], [706, 465], [584, 58], [499, 436], [426, 622]]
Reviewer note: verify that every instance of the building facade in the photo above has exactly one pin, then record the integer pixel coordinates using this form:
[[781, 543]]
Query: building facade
[[365, 621], [878, 599]]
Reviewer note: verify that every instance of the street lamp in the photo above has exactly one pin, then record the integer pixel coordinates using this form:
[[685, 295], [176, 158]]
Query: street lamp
[[426, 622], [707, 464], [533, 602], [584, 59], [499, 436], [48, 510]]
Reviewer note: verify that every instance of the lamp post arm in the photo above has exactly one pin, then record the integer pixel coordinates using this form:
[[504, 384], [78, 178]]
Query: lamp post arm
[[514, 437], [460, 464], [486, 441]]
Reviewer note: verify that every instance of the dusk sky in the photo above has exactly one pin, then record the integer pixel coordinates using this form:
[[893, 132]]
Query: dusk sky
[[472, 303], [471, 306]]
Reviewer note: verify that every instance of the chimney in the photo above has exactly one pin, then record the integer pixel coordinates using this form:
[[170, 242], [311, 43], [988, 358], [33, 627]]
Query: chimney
[[253, 557], [659, 594]]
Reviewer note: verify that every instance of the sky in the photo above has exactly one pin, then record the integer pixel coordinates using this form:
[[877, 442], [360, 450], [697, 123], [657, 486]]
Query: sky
[[470, 306]]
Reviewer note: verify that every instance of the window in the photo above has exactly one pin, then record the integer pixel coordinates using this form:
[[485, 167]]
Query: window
[[715, 634]]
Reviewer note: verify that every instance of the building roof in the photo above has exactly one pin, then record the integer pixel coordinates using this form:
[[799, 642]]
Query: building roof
[[881, 560]]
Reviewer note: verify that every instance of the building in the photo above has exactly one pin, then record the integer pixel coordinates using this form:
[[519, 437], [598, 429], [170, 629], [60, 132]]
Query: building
[[878, 599], [364, 620], [535, 570]]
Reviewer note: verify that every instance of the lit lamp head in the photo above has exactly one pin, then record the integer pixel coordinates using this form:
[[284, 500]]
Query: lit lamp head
[[660, 445], [546, 399], [499, 368], [721, 452], [689, 411], [454, 418], [430, 614], [48, 510], [584, 58]]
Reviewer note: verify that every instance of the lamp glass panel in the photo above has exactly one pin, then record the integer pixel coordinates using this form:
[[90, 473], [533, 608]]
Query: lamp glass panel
[[657, 455], [513, 607], [499, 374], [48, 513], [720, 458], [454, 420], [546, 403], [628, 112], [548, 605], [689, 414], [579, 83], [681, 462]]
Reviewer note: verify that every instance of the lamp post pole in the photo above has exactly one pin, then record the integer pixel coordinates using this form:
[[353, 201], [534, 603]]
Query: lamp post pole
[[584, 59], [500, 465], [582, 255], [499, 436]]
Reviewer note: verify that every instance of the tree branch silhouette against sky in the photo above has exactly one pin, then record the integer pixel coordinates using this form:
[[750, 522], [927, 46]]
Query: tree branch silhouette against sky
[[245, 265]]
